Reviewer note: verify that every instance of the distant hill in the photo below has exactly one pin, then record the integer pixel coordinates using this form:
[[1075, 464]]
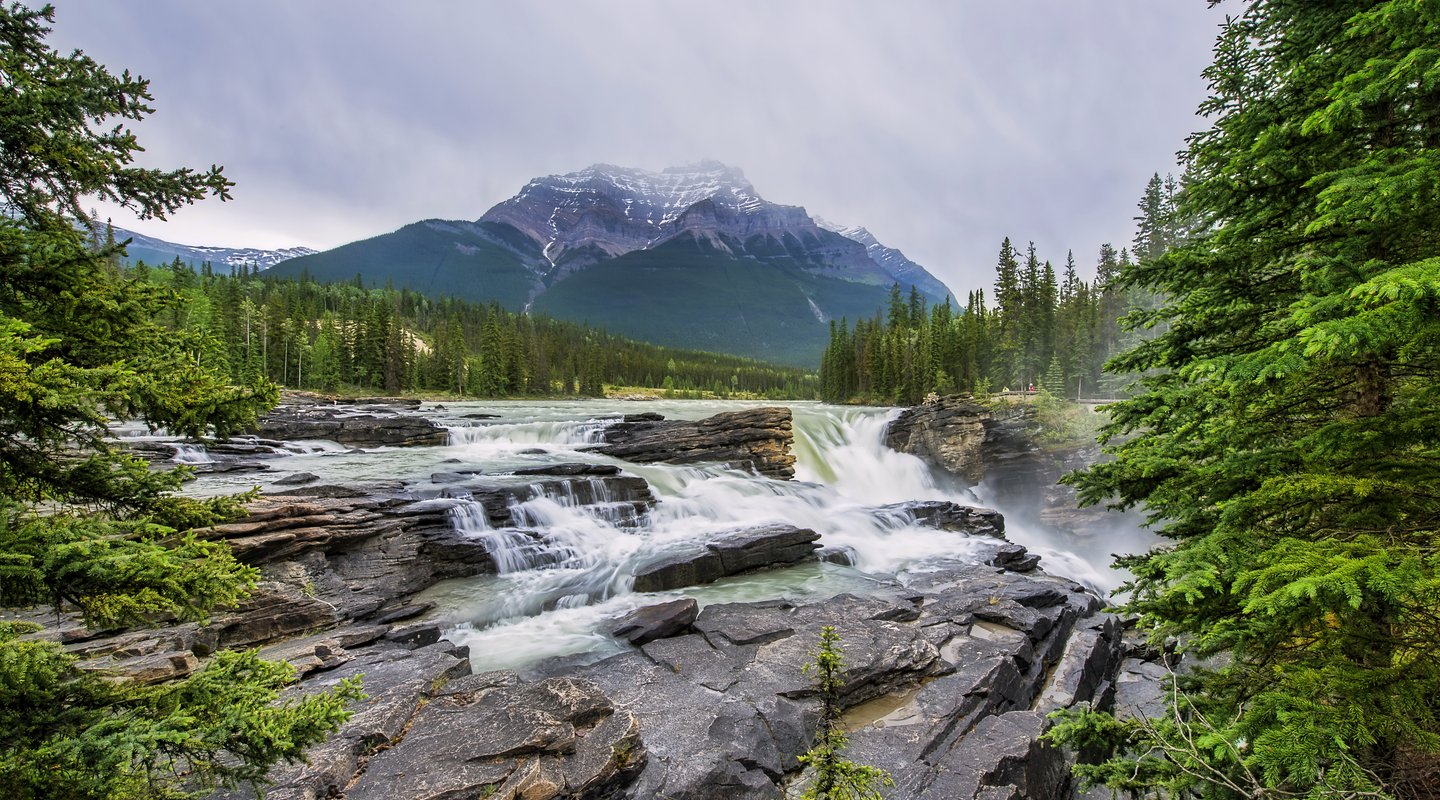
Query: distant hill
[[688, 257], [158, 251]]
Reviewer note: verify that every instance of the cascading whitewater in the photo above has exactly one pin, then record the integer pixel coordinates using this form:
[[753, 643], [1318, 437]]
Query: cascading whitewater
[[572, 565], [192, 454], [508, 435], [567, 548]]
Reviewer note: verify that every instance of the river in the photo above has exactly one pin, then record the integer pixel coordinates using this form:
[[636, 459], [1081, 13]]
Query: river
[[553, 599]]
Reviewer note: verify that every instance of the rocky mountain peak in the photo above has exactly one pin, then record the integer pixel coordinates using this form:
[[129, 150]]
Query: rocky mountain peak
[[603, 211]]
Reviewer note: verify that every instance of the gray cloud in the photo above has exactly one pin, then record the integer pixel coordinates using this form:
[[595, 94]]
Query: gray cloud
[[940, 126]]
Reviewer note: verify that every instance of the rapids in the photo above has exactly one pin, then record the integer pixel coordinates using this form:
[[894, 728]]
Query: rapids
[[554, 592]]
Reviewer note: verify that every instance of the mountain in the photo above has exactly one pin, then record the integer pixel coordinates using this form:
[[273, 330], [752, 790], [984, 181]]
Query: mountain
[[894, 262], [689, 257], [158, 251]]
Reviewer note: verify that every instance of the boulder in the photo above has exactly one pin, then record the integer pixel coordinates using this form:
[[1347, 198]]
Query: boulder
[[949, 516], [728, 554], [844, 555], [756, 438], [1015, 558], [660, 621]]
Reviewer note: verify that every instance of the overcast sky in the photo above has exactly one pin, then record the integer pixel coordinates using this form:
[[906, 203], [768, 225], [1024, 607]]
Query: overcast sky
[[941, 126]]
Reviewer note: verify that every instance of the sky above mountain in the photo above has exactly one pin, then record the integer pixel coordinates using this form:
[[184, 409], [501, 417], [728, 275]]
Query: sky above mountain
[[939, 126]]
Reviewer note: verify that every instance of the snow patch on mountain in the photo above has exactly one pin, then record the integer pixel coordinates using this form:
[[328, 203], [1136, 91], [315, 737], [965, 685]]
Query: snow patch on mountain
[[153, 250]]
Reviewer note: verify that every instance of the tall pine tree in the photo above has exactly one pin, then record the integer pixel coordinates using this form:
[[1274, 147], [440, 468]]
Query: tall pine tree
[[1287, 439], [82, 523]]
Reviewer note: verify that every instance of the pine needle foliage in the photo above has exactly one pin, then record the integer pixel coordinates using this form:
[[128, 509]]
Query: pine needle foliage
[[836, 778], [1287, 435], [84, 525]]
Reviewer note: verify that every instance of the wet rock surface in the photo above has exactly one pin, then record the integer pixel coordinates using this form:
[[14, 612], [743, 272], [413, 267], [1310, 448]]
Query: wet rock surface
[[758, 438], [728, 554], [345, 426], [949, 674], [947, 682]]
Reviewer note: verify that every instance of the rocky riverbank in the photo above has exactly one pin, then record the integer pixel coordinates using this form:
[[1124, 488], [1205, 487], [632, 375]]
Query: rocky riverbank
[[997, 445], [949, 672]]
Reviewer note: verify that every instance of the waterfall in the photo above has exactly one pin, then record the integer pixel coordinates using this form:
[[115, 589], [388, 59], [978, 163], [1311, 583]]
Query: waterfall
[[513, 550], [567, 552], [510, 435], [846, 449], [192, 454]]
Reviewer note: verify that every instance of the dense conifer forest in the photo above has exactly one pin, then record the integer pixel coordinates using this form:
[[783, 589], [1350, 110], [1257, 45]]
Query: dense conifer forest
[[1037, 329], [83, 522], [346, 338]]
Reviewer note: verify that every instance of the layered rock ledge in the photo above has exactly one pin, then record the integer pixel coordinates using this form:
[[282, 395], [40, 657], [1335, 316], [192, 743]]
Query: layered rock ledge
[[947, 684], [756, 438], [997, 446], [345, 426], [948, 681], [951, 434], [727, 554]]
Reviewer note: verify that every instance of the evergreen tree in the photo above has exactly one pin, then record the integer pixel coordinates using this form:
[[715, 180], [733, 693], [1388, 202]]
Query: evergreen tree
[[1287, 438], [835, 777], [1152, 232], [1009, 308], [82, 523]]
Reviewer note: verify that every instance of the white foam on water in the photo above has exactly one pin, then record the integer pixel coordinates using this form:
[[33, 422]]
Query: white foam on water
[[192, 454], [572, 567]]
